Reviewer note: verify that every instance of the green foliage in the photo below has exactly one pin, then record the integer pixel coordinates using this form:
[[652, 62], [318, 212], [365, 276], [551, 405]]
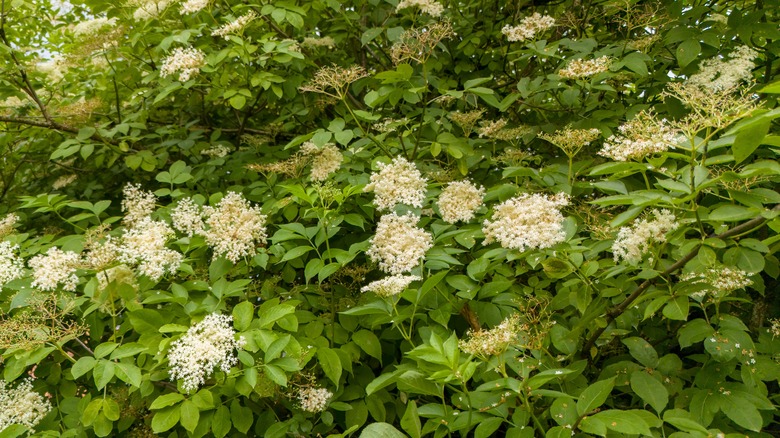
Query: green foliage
[[649, 308]]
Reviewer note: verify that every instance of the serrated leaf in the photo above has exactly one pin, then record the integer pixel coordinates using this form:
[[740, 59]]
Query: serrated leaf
[[687, 51], [165, 419], [650, 390], [368, 342], [330, 363], [190, 415], [594, 396], [410, 422]]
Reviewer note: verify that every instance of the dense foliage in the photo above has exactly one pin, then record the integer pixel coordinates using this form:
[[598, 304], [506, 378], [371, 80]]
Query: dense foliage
[[373, 218]]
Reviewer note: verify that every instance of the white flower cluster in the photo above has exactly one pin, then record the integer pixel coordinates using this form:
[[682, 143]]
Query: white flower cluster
[[529, 27], [632, 242], [11, 265], [235, 26], [92, 27], [21, 405], [397, 183], [191, 6], [144, 245], [325, 41], [494, 341], [641, 136], [216, 151], [724, 74], [459, 200], [235, 227], [185, 61], [208, 344], [187, 217], [430, 7], [721, 280], [7, 224], [583, 68], [54, 268], [399, 245], [325, 160], [64, 181], [136, 203], [148, 9], [527, 221], [390, 286], [101, 255], [314, 399]]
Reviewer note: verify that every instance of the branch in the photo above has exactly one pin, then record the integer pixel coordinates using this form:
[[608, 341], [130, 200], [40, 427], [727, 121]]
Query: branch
[[51, 124], [618, 310]]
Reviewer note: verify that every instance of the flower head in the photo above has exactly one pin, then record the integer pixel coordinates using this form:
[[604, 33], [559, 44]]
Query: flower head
[[641, 136], [144, 245], [494, 341], [137, 204], [11, 265], [314, 399], [208, 344], [187, 217], [430, 7], [390, 286], [235, 26], [583, 68], [459, 200], [55, 268], [191, 6], [334, 77], [529, 27], [527, 221], [399, 245], [397, 183], [325, 160], [93, 26], [7, 224], [634, 241], [21, 405], [235, 227], [724, 73], [187, 62]]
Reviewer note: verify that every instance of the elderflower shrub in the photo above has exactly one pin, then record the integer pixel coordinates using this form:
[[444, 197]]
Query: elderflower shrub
[[633, 242], [21, 405], [397, 183], [527, 221], [207, 345], [399, 245]]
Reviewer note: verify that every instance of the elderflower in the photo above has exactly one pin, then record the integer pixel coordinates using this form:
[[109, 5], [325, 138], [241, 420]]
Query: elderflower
[[314, 399], [54, 268], [206, 345], [527, 221], [529, 27], [21, 405], [235, 227], [92, 27], [63, 181], [325, 41], [7, 224], [399, 245], [397, 183], [720, 280], [494, 341], [137, 204], [325, 161], [390, 286], [430, 7], [191, 6], [11, 265], [582, 68], [186, 61], [641, 136], [726, 73], [235, 26], [148, 9], [187, 217], [632, 242], [459, 200], [774, 327], [334, 77], [144, 245]]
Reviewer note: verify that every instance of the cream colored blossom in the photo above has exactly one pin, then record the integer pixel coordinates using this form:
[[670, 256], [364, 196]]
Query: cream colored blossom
[[633, 242], [208, 344], [325, 41], [21, 405], [334, 77], [390, 286], [148, 9], [136, 203], [101, 254], [235, 227], [93, 26], [144, 245], [721, 73], [192, 6], [494, 341], [490, 128], [583, 68], [527, 221], [187, 61], [529, 27], [325, 160], [399, 245], [11, 265], [56, 267], [7, 224], [187, 217], [719, 281], [64, 181], [397, 183], [459, 201], [236, 26], [774, 327], [641, 136], [430, 7], [314, 399], [216, 151]]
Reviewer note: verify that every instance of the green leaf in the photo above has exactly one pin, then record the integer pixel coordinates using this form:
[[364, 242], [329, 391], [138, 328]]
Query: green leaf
[[220, 422], [488, 427], [410, 422], [731, 213], [242, 416], [594, 396], [369, 343], [166, 400], [242, 315], [624, 422], [276, 374], [381, 430], [370, 34], [111, 409], [749, 139], [238, 101], [103, 373], [677, 309], [741, 411], [650, 390], [330, 363], [82, 366], [642, 351], [190, 415], [687, 51], [165, 419]]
